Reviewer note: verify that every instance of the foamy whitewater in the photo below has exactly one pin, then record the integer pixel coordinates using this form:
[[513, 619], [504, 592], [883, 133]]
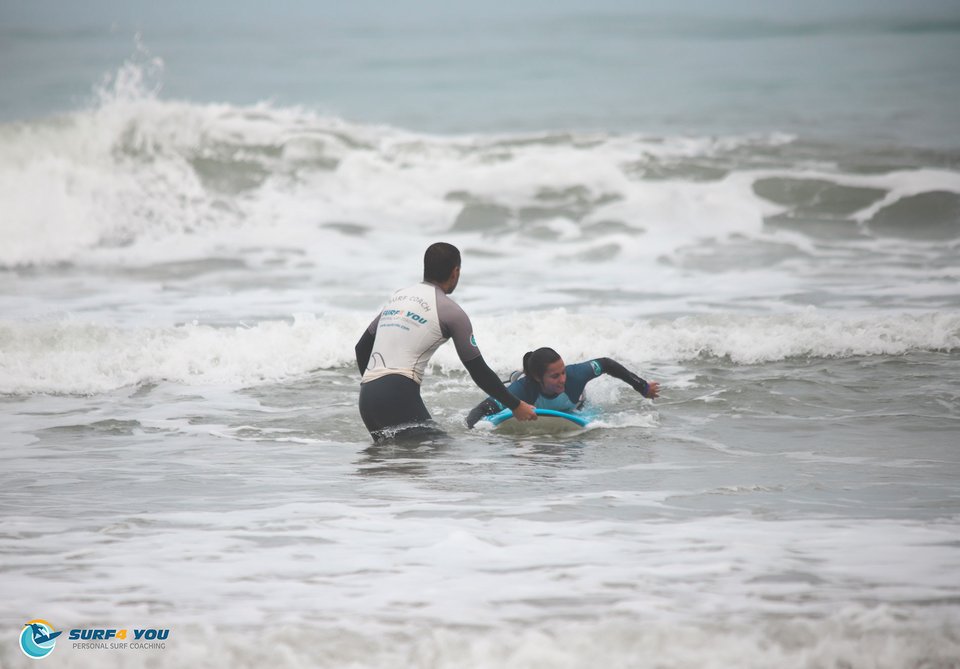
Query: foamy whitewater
[[182, 283]]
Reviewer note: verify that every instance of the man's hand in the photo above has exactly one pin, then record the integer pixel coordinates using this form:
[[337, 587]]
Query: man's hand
[[524, 412], [653, 390]]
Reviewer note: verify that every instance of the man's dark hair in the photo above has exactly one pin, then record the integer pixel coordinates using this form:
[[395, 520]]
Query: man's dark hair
[[439, 262]]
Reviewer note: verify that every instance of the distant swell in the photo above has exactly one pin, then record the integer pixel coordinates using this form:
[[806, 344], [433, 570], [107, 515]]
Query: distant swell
[[732, 28]]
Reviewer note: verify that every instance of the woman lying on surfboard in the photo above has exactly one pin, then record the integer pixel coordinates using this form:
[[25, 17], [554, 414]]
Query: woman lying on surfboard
[[548, 383]]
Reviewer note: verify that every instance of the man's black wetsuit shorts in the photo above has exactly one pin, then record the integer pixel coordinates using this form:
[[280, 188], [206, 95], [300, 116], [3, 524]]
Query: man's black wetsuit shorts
[[391, 406]]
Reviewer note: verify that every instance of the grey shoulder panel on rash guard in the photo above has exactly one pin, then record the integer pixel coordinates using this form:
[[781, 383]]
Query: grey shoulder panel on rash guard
[[455, 324]]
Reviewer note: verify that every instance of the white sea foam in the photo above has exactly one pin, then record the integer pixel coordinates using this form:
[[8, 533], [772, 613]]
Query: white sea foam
[[419, 581], [73, 356], [884, 638]]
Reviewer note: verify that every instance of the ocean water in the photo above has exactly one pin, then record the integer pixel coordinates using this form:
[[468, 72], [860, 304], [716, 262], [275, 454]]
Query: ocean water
[[758, 205]]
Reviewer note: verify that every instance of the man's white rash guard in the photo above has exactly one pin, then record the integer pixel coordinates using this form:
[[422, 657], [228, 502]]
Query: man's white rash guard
[[411, 327]]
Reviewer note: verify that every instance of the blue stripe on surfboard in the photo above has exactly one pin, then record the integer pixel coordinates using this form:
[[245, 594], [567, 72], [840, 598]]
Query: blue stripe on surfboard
[[506, 414]]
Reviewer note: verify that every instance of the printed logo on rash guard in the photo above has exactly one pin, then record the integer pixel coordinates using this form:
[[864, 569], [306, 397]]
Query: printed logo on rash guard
[[597, 369]]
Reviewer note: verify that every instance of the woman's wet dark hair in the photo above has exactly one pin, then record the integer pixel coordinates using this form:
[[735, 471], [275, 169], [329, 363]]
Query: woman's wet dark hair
[[535, 363]]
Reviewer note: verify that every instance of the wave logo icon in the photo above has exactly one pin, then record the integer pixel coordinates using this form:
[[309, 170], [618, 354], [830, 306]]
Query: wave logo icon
[[38, 639]]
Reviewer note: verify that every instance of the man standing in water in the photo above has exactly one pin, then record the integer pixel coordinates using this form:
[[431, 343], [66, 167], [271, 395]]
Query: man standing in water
[[394, 350]]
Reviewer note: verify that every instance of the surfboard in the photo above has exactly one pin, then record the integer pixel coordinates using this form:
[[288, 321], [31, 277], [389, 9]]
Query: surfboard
[[548, 421]]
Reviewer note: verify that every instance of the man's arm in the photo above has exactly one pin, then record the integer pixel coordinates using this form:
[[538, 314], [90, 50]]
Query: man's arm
[[618, 371], [364, 346], [455, 324], [490, 383]]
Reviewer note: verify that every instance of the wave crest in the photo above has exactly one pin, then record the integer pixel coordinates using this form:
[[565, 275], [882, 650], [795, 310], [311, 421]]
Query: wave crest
[[136, 169]]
